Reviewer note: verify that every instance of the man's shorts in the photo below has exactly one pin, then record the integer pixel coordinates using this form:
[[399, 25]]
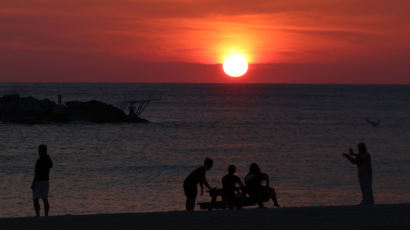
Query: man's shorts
[[190, 190], [40, 190]]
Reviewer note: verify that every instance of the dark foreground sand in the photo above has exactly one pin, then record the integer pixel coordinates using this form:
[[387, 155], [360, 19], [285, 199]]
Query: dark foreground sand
[[347, 217]]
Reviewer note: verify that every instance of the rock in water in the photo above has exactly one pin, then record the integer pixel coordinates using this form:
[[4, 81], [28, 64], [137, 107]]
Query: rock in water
[[95, 111], [14, 108]]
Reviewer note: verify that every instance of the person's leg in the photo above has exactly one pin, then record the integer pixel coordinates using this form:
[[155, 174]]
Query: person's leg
[[214, 194], [272, 195], [190, 191], [228, 200], [260, 204], [371, 198], [255, 196], [362, 189], [367, 191], [238, 200], [45, 197], [190, 203], [46, 207], [36, 206]]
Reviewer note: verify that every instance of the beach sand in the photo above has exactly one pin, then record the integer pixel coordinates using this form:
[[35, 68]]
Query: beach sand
[[342, 217]]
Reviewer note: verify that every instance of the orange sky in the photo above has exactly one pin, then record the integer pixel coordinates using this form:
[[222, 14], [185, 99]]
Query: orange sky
[[293, 41]]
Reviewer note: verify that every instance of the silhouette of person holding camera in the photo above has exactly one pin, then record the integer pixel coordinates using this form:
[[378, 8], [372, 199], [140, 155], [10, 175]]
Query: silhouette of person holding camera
[[363, 162]]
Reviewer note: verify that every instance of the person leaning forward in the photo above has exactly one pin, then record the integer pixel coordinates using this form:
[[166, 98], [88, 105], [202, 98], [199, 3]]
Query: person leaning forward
[[194, 178]]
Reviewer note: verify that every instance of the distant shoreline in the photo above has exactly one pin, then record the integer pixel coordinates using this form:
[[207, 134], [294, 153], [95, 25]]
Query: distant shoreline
[[384, 216]]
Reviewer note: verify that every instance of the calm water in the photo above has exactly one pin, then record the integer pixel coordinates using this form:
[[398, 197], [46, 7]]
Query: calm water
[[295, 132]]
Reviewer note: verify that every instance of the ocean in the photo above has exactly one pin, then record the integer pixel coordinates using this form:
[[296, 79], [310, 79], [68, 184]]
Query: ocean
[[296, 133]]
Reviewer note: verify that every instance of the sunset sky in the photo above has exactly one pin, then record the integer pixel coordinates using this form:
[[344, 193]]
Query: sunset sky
[[292, 41]]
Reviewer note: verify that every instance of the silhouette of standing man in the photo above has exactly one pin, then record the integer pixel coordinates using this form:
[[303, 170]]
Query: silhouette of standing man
[[363, 162], [40, 185], [190, 184]]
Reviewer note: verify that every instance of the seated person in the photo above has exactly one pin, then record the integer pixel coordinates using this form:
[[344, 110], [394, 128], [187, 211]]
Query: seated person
[[256, 190], [229, 181]]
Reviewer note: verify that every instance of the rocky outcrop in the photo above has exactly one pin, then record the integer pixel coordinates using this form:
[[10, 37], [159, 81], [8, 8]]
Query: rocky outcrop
[[14, 108]]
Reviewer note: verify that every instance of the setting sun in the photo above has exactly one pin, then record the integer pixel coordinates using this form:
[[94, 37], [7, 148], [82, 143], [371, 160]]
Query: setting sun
[[235, 66]]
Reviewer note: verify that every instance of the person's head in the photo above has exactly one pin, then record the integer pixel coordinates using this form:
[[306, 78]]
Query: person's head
[[42, 150], [231, 169], [254, 168], [208, 163], [362, 147]]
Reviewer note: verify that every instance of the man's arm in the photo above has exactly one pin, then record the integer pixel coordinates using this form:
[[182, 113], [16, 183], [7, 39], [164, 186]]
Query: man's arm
[[266, 178], [241, 185], [35, 175], [51, 162], [353, 153], [206, 183], [351, 159], [201, 184], [34, 179]]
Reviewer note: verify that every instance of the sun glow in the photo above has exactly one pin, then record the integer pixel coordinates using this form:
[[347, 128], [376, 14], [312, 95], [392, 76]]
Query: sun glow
[[235, 65]]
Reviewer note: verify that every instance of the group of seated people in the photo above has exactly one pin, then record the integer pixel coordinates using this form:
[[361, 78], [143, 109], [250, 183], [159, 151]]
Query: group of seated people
[[256, 186]]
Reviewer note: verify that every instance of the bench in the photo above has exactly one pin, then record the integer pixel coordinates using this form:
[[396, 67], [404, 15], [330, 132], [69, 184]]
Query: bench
[[242, 200]]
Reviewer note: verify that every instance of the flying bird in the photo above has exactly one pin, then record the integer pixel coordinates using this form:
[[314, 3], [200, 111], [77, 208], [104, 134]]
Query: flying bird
[[372, 122]]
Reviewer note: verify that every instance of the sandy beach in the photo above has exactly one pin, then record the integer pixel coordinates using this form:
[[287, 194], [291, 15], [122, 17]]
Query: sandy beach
[[343, 217]]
